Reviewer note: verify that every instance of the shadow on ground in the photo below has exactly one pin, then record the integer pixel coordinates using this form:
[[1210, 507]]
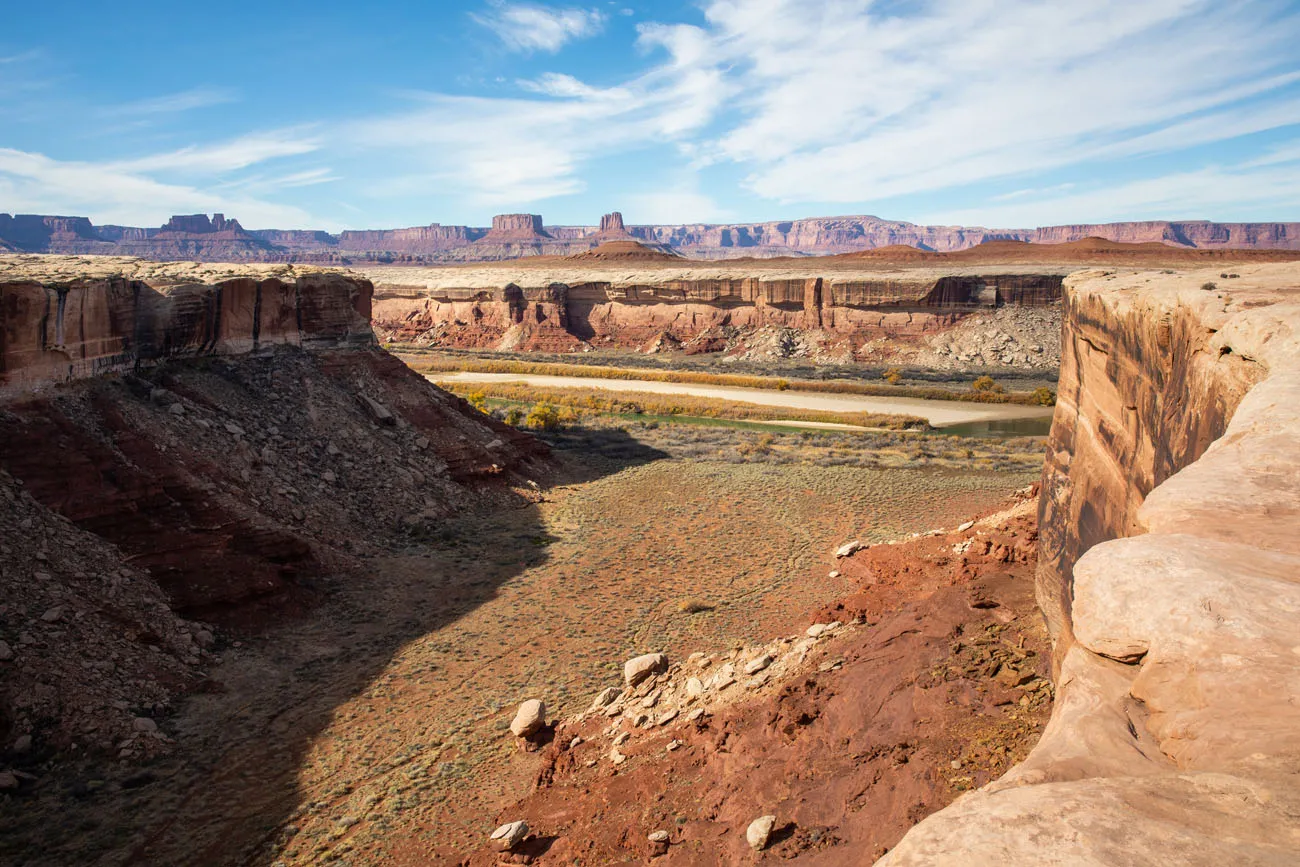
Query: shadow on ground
[[232, 785]]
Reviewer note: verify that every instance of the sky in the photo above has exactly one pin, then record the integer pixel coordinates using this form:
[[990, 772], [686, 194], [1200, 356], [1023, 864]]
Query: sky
[[998, 113]]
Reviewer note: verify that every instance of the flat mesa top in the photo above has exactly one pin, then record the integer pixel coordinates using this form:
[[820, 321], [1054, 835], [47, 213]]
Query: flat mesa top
[[30, 267]]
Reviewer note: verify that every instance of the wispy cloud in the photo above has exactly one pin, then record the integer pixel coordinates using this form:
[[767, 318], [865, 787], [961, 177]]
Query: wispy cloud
[[172, 103], [514, 151], [1239, 192], [855, 102], [128, 192], [227, 156], [528, 27]]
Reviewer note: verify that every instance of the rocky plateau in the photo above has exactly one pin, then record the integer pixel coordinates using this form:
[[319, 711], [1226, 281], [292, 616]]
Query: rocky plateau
[[516, 235]]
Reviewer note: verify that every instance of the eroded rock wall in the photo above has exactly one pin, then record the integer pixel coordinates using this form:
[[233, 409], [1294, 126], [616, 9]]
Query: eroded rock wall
[[562, 316], [1170, 574], [54, 330]]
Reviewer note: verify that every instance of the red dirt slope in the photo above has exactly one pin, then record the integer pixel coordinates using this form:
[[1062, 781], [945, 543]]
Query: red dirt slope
[[939, 690]]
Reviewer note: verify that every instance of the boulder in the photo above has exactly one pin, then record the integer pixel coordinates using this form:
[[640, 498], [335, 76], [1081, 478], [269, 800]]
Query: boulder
[[638, 669], [529, 719], [848, 549], [604, 698], [759, 831], [509, 835]]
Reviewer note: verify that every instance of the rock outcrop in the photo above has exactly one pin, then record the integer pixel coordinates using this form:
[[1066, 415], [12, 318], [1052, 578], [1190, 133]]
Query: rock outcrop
[[1170, 554], [63, 319], [188, 450]]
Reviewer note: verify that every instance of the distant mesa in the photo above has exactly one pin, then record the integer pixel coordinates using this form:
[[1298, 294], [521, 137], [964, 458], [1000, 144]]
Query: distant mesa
[[627, 251], [515, 228], [612, 228], [512, 236], [199, 224]]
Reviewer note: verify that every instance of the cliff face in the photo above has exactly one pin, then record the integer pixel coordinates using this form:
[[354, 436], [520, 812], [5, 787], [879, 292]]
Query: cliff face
[[61, 320], [1170, 505], [520, 235], [563, 314]]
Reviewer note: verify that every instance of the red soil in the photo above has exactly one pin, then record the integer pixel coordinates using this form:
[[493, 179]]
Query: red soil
[[940, 691]]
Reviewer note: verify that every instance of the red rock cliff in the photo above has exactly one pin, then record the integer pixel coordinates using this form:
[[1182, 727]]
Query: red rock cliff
[[68, 319], [1169, 522]]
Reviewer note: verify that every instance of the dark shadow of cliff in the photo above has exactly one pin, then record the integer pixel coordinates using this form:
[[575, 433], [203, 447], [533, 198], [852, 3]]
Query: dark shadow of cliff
[[232, 784]]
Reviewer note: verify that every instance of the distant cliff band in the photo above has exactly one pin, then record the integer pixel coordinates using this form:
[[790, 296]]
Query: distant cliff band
[[518, 235]]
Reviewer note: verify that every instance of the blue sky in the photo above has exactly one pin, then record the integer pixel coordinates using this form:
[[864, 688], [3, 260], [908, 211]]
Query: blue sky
[[1001, 113]]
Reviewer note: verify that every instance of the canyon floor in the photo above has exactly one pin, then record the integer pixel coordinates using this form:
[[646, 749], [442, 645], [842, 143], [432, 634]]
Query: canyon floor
[[374, 729]]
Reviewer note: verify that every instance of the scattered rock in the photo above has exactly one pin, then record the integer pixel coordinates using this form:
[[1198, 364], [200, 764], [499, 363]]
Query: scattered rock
[[815, 630], [665, 719], [756, 665], [834, 573], [8, 781], [144, 724], [694, 687], [53, 615], [23, 744], [6, 652], [378, 411], [530, 718], [510, 835], [848, 549], [962, 528], [759, 831], [658, 837], [604, 698], [638, 669]]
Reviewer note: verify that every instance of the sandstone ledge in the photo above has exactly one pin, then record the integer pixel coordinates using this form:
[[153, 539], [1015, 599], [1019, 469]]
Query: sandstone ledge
[[1175, 738], [69, 317]]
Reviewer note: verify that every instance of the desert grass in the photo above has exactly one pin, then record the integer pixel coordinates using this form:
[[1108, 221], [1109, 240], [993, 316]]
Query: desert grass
[[585, 401], [428, 365]]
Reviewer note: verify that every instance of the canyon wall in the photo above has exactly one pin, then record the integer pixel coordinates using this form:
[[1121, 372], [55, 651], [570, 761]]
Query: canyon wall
[[519, 235], [566, 310], [64, 321], [1169, 516], [246, 445]]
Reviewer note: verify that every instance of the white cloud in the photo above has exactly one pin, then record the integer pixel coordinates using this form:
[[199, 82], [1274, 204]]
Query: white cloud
[[528, 27], [854, 101], [512, 152], [848, 104], [125, 193], [227, 156], [1234, 193], [172, 103]]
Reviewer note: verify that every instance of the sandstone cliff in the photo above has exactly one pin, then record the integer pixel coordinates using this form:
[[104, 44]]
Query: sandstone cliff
[[63, 319], [565, 305], [1170, 551]]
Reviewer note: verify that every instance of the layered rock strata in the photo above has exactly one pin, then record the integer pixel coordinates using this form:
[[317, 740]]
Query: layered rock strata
[[1170, 556], [563, 310], [63, 319]]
